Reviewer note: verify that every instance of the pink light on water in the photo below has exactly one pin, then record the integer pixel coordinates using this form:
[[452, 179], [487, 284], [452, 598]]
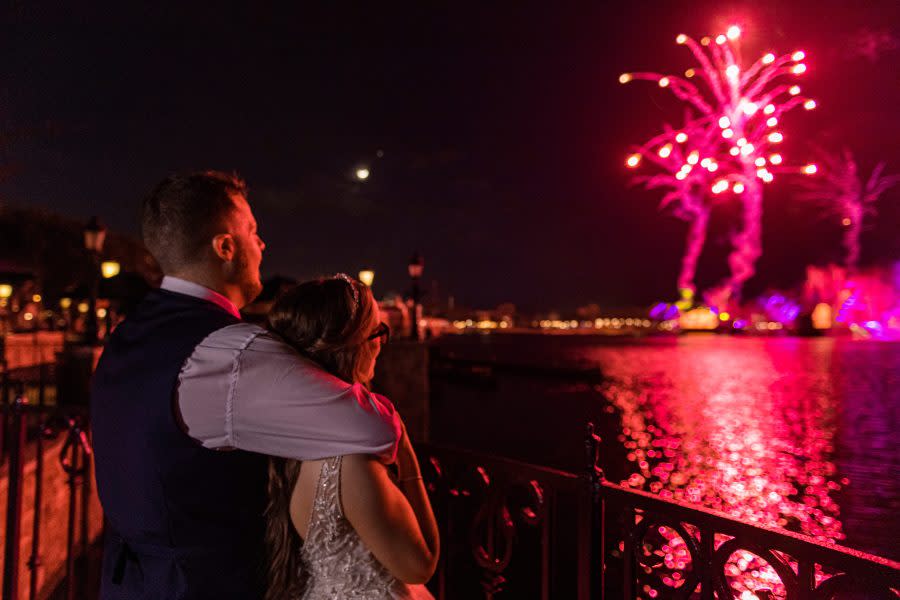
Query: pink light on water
[[729, 101]]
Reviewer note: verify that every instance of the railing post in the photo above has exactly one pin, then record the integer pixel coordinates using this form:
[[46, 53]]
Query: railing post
[[14, 500], [78, 449], [707, 549], [595, 576], [34, 562]]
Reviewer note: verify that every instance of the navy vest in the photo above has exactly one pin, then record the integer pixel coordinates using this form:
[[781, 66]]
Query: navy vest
[[184, 522]]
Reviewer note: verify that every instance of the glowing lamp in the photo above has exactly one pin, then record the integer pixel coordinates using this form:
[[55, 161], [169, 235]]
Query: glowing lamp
[[94, 235], [705, 162], [6, 290], [733, 71], [681, 38], [769, 109], [681, 137], [821, 316], [720, 39], [738, 188], [798, 55], [693, 158], [761, 173], [798, 69], [775, 159], [750, 108], [36, 298], [724, 122], [776, 138], [686, 168], [101, 312], [795, 89], [82, 307], [362, 174], [367, 276], [65, 303], [846, 222], [728, 134], [664, 82], [760, 162], [772, 122], [734, 32], [810, 169], [681, 175], [665, 151], [724, 316], [109, 269], [747, 149], [768, 59], [809, 104], [713, 167], [741, 142], [625, 77], [633, 161], [28, 316], [690, 73], [734, 151], [705, 40], [768, 177]]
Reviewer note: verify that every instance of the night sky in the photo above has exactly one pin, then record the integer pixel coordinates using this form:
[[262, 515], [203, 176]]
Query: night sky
[[502, 130]]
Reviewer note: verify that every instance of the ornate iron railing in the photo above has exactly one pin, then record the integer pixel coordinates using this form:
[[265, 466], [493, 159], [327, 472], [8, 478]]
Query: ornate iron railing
[[627, 543], [24, 422]]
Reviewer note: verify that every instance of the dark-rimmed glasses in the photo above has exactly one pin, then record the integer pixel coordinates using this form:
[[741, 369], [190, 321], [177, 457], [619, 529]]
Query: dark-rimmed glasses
[[383, 331]]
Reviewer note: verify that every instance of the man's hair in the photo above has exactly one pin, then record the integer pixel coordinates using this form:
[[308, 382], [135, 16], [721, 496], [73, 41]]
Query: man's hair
[[184, 212]]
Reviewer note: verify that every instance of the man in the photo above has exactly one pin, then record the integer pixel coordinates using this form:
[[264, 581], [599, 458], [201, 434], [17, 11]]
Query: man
[[187, 401]]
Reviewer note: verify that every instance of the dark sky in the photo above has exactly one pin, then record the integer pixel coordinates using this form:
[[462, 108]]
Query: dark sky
[[503, 131]]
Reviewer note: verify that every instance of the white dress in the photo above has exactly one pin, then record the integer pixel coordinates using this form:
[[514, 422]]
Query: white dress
[[335, 562]]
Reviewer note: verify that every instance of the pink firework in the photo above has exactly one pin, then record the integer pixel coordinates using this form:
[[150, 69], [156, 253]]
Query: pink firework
[[851, 197], [733, 127]]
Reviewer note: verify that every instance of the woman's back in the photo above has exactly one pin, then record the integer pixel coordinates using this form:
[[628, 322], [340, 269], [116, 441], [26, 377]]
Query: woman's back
[[335, 561]]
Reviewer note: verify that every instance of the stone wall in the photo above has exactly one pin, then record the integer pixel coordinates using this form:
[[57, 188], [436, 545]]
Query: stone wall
[[29, 349], [54, 518]]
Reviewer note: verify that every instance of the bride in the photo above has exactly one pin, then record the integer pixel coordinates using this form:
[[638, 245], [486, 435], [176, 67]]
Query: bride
[[345, 526]]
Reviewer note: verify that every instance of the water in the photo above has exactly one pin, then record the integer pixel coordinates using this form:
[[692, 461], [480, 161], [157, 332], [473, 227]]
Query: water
[[792, 432]]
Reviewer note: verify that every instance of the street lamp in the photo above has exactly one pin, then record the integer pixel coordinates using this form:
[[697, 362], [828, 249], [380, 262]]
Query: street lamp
[[94, 236], [110, 268], [362, 173], [416, 266], [367, 277]]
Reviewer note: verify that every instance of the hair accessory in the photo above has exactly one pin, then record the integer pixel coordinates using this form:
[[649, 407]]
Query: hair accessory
[[353, 290]]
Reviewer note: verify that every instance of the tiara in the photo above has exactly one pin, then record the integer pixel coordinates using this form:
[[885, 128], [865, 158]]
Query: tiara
[[353, 290]]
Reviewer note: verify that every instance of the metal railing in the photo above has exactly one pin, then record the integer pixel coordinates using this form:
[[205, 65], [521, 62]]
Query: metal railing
[[25, 423], [486, 506]]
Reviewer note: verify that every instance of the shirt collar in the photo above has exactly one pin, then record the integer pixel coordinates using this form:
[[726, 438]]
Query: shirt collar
[[189, 288]]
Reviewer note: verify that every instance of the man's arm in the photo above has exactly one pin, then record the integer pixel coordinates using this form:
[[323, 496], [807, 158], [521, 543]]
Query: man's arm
[[243, 388]]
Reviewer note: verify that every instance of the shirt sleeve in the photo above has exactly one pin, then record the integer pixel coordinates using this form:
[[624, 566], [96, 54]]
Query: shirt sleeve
[[244, 388]]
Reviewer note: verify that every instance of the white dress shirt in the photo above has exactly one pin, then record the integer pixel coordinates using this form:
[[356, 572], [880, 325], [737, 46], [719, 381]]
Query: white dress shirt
[[244, 388]]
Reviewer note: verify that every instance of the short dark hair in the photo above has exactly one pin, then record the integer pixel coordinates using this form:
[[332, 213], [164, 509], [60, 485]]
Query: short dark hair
[[184, 212]]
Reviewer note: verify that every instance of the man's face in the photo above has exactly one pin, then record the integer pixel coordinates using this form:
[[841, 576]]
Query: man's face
[[249, 249]]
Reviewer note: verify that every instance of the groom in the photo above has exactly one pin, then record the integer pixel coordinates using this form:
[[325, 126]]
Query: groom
[[187, 400]]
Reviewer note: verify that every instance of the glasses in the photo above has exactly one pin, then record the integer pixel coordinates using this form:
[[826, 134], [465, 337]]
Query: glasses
[[382, 331]]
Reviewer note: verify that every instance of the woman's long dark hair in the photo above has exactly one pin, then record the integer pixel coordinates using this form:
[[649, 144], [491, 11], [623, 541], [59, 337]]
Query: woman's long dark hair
[[329, 321]]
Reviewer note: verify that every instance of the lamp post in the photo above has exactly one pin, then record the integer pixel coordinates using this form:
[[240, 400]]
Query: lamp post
[[416, 266], [94, 236]]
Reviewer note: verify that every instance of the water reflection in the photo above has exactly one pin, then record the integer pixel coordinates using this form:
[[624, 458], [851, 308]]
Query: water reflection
[[747, 428]]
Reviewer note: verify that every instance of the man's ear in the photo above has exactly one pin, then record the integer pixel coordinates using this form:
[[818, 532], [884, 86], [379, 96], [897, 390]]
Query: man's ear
[[224, 247]]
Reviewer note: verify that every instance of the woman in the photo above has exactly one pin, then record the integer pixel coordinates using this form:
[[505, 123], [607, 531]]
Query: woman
[[344, 527]]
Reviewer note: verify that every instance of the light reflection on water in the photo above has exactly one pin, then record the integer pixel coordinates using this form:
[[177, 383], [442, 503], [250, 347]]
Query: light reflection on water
[[790, 432]]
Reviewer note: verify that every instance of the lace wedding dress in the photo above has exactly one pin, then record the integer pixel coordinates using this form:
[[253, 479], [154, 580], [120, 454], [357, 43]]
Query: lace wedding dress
[[335, 562]]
